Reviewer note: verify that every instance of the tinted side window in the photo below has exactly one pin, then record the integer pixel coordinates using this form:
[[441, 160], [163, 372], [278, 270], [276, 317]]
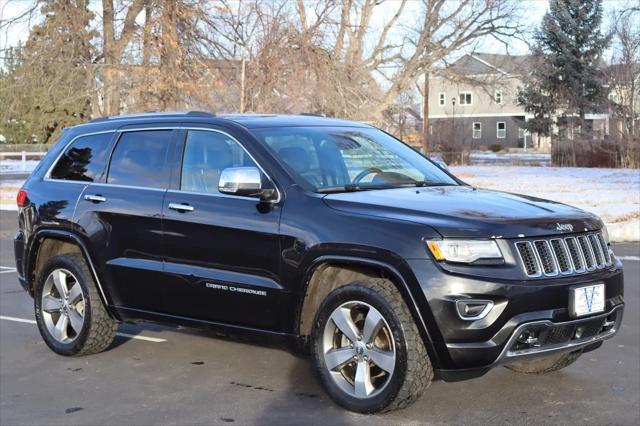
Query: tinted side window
[[84, 159], [206, 154], [140, 159]]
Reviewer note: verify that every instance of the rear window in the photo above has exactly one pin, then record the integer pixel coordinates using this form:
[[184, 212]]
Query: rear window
[[140, 159], [85, 159]]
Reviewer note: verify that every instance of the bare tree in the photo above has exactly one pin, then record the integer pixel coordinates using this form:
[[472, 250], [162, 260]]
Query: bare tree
[[625, 85], [113, 48]]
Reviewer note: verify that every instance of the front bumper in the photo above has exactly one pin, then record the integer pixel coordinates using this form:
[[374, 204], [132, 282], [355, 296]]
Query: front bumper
[[554, 337], [518, 306]]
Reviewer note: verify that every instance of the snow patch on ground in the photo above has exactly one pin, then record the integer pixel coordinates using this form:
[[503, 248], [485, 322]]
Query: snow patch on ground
[[13, 166], [612, 194], [8, 192]]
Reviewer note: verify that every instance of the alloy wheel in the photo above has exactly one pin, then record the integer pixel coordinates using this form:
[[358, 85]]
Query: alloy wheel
[[359, 350], [63, 306]]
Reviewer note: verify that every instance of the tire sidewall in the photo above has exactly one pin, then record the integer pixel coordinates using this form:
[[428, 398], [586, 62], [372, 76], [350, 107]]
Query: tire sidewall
[[63, 262], [362, 293]]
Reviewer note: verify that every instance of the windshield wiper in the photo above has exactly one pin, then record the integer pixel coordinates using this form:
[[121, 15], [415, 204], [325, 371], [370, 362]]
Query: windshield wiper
[[422, 183], [353, 187]]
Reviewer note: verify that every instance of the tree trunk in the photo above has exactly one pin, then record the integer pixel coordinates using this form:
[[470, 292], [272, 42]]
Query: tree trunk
[[111, 61], [168, 68], [242, 79], [146, 56]]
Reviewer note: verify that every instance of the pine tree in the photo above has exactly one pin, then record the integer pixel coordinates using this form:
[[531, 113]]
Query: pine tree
[[51, 83], [567, 80]]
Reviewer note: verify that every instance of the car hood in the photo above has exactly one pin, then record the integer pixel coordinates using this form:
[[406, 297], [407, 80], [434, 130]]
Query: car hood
[[464, 211]]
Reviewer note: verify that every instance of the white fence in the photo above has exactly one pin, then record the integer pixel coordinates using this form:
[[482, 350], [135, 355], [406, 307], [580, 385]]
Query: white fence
[[22, 161]]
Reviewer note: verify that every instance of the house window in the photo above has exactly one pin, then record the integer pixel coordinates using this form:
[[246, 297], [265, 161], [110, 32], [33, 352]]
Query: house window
[[465, 98], [477, 130], [613, 97], [501, 132], [441, 99], [497, 96]]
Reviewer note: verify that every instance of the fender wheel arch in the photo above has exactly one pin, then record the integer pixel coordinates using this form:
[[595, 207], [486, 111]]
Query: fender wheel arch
[[336, 272], [65, 240]]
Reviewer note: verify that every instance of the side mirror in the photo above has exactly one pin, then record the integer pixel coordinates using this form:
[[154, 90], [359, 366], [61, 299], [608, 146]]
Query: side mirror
[[244, 181]]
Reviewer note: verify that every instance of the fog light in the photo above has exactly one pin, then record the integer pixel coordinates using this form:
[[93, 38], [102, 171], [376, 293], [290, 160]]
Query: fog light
[[528, 337], [472, 310]]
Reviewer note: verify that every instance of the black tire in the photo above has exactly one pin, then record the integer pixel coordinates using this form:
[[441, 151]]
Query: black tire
[[98, 329], [413, 370], [544, 365]]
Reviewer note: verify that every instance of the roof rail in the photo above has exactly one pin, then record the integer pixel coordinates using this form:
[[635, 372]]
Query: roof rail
[[154, 114], [313, 114]]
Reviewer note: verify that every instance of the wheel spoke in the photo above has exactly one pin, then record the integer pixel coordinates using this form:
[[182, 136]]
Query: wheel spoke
[[60, 281], [383, 359], [75, 292], [342, 319], [76, 320], [363, 385], [51, 304], [372, 324], [337, 358], [61, 328]]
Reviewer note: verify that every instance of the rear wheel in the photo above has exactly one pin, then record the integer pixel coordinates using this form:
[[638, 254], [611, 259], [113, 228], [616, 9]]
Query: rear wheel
[[70, 315], [367, 351], [547, 364]]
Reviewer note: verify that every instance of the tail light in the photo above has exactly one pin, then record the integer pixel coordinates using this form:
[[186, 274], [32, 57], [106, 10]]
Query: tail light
[[21, 199]]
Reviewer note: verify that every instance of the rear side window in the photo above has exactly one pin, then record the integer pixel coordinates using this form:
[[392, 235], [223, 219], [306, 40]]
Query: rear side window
[[85, 159], [139, 159]]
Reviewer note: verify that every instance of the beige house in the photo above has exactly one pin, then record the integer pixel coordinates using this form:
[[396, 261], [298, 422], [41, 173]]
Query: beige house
[[476, 105]]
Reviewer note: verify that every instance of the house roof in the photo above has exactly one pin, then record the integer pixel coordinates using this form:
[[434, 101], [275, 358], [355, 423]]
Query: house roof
[[491, 63]]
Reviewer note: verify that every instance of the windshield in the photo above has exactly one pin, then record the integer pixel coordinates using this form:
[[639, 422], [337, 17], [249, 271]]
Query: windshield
[[327, 159]]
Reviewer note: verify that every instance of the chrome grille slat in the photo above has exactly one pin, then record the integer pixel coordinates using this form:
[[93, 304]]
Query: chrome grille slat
[[546, 257], [528, 258], [605, 249], [577, 258], [562, 255], [597, 251], [566, 255], [587, 253]]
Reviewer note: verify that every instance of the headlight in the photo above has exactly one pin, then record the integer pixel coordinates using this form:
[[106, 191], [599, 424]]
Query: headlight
[[466, 251]]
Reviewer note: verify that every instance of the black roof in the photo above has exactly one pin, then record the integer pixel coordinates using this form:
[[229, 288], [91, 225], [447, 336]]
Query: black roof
[[250, 121]]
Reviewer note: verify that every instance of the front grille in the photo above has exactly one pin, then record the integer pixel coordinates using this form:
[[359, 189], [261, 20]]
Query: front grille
[[566, 256]]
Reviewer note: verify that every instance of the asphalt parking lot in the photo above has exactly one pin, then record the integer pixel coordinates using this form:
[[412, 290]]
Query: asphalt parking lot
[[178, 376]]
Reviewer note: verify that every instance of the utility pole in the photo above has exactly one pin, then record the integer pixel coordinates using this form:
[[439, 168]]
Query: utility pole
[[243, 63], [425, 115]]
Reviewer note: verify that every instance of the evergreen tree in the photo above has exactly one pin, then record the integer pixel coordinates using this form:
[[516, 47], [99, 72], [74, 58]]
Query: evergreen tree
[[49, 84], [567, 79]]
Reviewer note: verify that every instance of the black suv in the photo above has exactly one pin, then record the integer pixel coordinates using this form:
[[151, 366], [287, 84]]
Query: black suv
[[328, 235]]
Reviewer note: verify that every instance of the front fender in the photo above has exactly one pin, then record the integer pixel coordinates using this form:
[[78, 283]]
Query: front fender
[[402, 276]]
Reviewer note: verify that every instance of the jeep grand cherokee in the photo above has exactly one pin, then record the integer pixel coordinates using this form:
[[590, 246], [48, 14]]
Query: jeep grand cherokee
[[330, 235]]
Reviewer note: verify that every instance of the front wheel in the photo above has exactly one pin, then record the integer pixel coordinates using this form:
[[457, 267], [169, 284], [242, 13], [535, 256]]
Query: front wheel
[[367, 351]]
